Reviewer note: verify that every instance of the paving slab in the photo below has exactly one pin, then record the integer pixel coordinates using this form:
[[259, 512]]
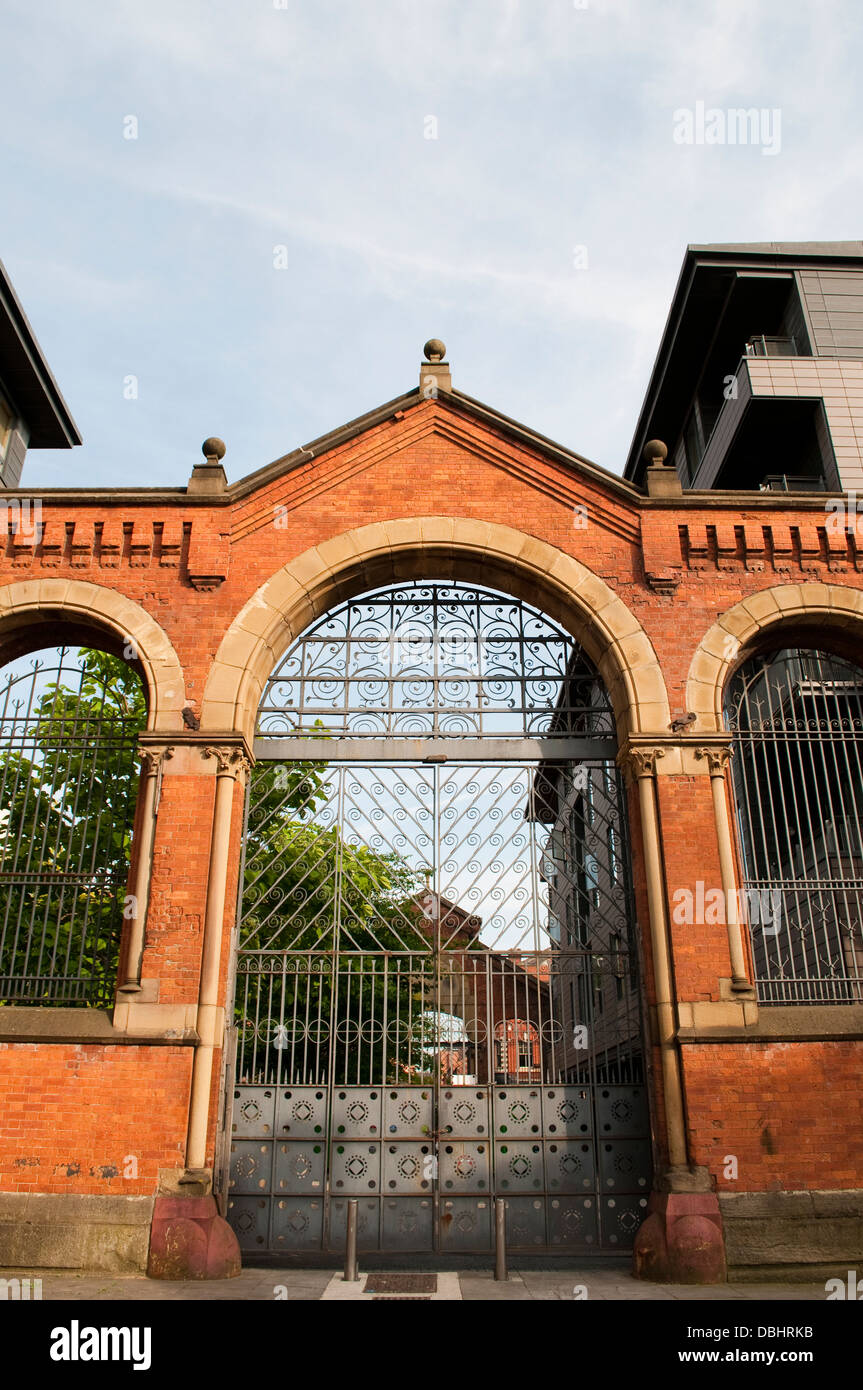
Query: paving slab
[[304, 1285]]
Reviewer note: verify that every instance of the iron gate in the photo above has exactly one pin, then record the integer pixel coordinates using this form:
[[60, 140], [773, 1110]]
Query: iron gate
[[437, 986]]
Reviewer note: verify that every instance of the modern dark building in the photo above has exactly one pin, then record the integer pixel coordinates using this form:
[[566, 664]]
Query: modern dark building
[[758, 383], [33, 414]]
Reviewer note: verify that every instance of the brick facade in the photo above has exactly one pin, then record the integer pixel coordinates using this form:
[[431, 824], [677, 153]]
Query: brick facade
[[430, 488]]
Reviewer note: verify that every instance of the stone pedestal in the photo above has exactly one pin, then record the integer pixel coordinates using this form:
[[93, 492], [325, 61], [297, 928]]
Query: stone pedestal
[[681, 1240], [190, 1240]]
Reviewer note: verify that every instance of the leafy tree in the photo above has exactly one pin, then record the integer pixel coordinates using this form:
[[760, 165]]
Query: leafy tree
[[67, 803], [309, 889]]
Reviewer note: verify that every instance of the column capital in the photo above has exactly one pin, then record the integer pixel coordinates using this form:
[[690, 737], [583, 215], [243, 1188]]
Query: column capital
[[232, 759], [154, 755], [718, 757], [639, 760]]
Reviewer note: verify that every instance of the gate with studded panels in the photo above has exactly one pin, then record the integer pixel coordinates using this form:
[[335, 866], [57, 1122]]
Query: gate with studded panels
[[438, 988]]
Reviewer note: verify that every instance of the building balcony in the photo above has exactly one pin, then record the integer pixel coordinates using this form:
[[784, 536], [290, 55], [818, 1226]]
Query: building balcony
[[787, 423]]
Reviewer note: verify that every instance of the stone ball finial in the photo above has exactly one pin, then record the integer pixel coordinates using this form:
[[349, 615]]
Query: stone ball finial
[[213, 448], [655, 452], [435, 350]]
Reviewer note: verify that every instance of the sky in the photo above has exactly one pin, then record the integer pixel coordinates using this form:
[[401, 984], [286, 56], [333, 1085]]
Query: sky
[[245, 217]]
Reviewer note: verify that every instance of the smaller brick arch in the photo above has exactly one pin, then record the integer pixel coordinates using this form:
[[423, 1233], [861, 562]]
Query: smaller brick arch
[[435, 547], [82, 609], [812, 606]]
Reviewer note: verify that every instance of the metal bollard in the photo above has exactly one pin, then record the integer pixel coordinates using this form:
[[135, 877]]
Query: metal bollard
[[352, 1274], [500, 1239]]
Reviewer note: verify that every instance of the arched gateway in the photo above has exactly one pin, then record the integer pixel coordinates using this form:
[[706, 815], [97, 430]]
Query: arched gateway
[[438, 994]]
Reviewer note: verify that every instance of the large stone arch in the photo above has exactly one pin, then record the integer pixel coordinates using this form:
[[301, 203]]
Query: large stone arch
[[435, 547], [80, 608], [811, 606]]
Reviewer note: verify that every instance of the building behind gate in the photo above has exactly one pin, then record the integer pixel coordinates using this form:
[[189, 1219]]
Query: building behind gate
[[305, 899]]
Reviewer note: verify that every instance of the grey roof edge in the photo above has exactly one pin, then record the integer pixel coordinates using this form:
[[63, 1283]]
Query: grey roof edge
[[37, 364], [801, 250], [723, 253]]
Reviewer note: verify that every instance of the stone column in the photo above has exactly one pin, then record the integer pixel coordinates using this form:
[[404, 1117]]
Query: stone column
[[642, 768], [681, 1239], [153, 759], [232, 762], [717, 761], [189, 1239]]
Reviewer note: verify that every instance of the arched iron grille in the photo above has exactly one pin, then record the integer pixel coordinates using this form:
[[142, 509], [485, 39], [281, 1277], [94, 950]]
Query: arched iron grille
[[435, 660], [69, 721], [437, 994], [797, 719]]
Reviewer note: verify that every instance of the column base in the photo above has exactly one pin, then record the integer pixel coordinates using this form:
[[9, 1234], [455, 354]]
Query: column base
[[190, 1240], [681, 1240]]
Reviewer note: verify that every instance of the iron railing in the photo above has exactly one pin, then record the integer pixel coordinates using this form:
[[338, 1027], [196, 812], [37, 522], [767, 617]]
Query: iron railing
[[69, 721], [797, 719]]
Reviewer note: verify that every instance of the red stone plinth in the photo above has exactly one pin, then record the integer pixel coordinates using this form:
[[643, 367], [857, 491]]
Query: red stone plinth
[[190, 1240], [681, 1240]]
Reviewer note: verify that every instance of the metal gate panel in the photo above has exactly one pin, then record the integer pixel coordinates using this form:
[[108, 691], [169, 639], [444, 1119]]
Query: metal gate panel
[[622, 1110], [409, 1167], [465, 1224], [525, 1223], [621, 1218], [570, 1165], [301, 1112], [568, 1110], [573, 1222], [357, 1111], [518, 1111], [624, 1164], [464, 1165], [408, 1112], [355, 1168], [408, 1224], [464, 1111], [254, 1112], [251, 1166], [519, 1167], [298, 1224], [250, 1219], [300, 1166]]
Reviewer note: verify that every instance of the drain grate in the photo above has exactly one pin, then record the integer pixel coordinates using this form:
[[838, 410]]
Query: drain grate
[[391, 1284]]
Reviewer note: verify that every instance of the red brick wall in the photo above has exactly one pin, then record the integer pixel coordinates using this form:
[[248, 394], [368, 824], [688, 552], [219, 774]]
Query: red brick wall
[[71, 1115], [791, 1113]]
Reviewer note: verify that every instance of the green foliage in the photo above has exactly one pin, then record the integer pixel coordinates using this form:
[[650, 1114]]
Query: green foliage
[[308, 888], [66, 810]]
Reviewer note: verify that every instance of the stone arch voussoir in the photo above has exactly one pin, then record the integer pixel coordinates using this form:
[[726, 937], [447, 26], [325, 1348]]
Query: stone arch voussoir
[[781, 608], [430, 546], [85, 605]]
